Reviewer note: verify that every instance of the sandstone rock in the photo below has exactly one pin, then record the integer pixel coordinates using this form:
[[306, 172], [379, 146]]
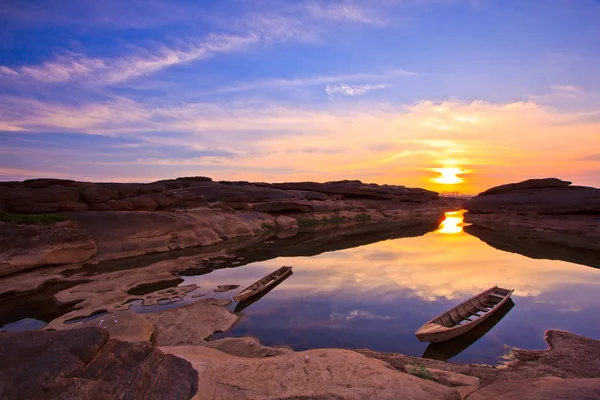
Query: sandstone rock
[[121, 205], [301, 206], [446, 378], [35, 200], [528, 184], [99, 194], [362, 190], [246, 347], [125, 326], [129, 189], [85, 364], [286, 222], [328, 374], [165, 201], [100, 207], [143, 203], [24, 247], [569, 356], [540, 389], [47, 182], [125, 234], [538, 197], [191, 324]]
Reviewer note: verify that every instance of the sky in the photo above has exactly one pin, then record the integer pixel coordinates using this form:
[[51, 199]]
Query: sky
[[449, 95]]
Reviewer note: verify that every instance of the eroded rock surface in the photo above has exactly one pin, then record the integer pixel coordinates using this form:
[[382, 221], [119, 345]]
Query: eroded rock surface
[[326, 374], [24, 247], [541, 196], [540, 389], [569, 356], [247, 347], [547, 211], [125, 326], [85, 364], [191, 324]]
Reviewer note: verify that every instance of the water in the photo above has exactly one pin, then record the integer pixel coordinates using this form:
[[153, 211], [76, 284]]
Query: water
[[376, 296]]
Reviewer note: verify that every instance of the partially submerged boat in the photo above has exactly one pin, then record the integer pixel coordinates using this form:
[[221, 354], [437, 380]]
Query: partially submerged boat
[[263, 284], [465, 316]]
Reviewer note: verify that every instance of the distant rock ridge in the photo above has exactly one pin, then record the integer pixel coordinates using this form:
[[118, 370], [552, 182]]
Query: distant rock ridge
[[37, 196]]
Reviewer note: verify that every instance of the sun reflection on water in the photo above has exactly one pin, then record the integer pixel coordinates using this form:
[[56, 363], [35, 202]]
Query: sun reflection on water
[[453, 223]]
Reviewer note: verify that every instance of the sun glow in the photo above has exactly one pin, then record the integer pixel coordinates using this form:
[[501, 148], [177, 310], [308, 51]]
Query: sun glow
[[453, 223], [448, 175]]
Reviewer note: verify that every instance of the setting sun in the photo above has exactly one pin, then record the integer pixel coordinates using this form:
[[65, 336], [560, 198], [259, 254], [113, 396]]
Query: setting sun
[[448, 175]]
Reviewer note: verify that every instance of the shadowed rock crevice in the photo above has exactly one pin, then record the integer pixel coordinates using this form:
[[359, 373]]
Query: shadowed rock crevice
[[86, 364]]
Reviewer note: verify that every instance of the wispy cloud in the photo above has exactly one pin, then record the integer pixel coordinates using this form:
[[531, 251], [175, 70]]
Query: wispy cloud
[[350, 12], [353, 90], [287, 83], [95, 70]]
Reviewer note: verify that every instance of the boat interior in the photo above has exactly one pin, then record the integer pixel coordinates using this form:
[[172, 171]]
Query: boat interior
[[472, 309]]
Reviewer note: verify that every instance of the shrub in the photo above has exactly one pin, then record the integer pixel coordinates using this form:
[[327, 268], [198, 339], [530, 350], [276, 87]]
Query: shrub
[[32, 219]]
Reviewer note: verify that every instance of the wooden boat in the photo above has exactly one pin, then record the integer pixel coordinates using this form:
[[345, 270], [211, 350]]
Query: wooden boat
[[465, 316], [242, 305], [443, 351], [263, 284]]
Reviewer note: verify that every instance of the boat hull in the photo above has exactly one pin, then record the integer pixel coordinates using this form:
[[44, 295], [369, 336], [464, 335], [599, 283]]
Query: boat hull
[[431, 332], [250, 292]]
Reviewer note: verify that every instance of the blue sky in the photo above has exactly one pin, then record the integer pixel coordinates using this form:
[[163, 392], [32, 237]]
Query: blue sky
[[384, 91]]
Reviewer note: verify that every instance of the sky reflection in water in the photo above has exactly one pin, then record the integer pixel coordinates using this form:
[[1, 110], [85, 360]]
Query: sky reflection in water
[[376, 296]]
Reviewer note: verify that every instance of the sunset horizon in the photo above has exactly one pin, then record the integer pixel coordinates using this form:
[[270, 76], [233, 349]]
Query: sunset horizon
[[444, 95]]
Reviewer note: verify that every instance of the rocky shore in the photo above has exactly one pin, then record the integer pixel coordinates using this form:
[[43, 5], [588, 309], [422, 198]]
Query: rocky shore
[[94, 222], [86, 363], [539, 218], [70, 251]]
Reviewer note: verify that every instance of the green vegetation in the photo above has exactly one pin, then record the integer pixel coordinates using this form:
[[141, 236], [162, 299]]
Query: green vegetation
[[362, 217], [420, 371], [32, 219]]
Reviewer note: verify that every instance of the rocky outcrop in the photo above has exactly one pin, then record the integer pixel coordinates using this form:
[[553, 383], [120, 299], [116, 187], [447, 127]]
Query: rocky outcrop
[[191, 324], [569, 356], [55, 195], [357, 189], [247, 347], [540, 389], [85, 364], [538, 196], [313, 374], [548, 211], [125, 326], [23, 247], [125, 220], [126, 234]]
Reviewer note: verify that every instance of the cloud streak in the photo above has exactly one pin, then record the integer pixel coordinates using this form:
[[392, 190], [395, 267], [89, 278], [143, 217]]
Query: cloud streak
[[103, 72], [353, 90]]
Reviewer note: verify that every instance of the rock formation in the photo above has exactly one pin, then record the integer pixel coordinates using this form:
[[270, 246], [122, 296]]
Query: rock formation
[[568, 356], [520, 216], [117, 220], [23, 247], [85, 364]]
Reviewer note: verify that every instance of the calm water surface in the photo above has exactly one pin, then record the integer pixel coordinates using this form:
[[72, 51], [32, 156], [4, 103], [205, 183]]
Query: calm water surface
[[376, 296]]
